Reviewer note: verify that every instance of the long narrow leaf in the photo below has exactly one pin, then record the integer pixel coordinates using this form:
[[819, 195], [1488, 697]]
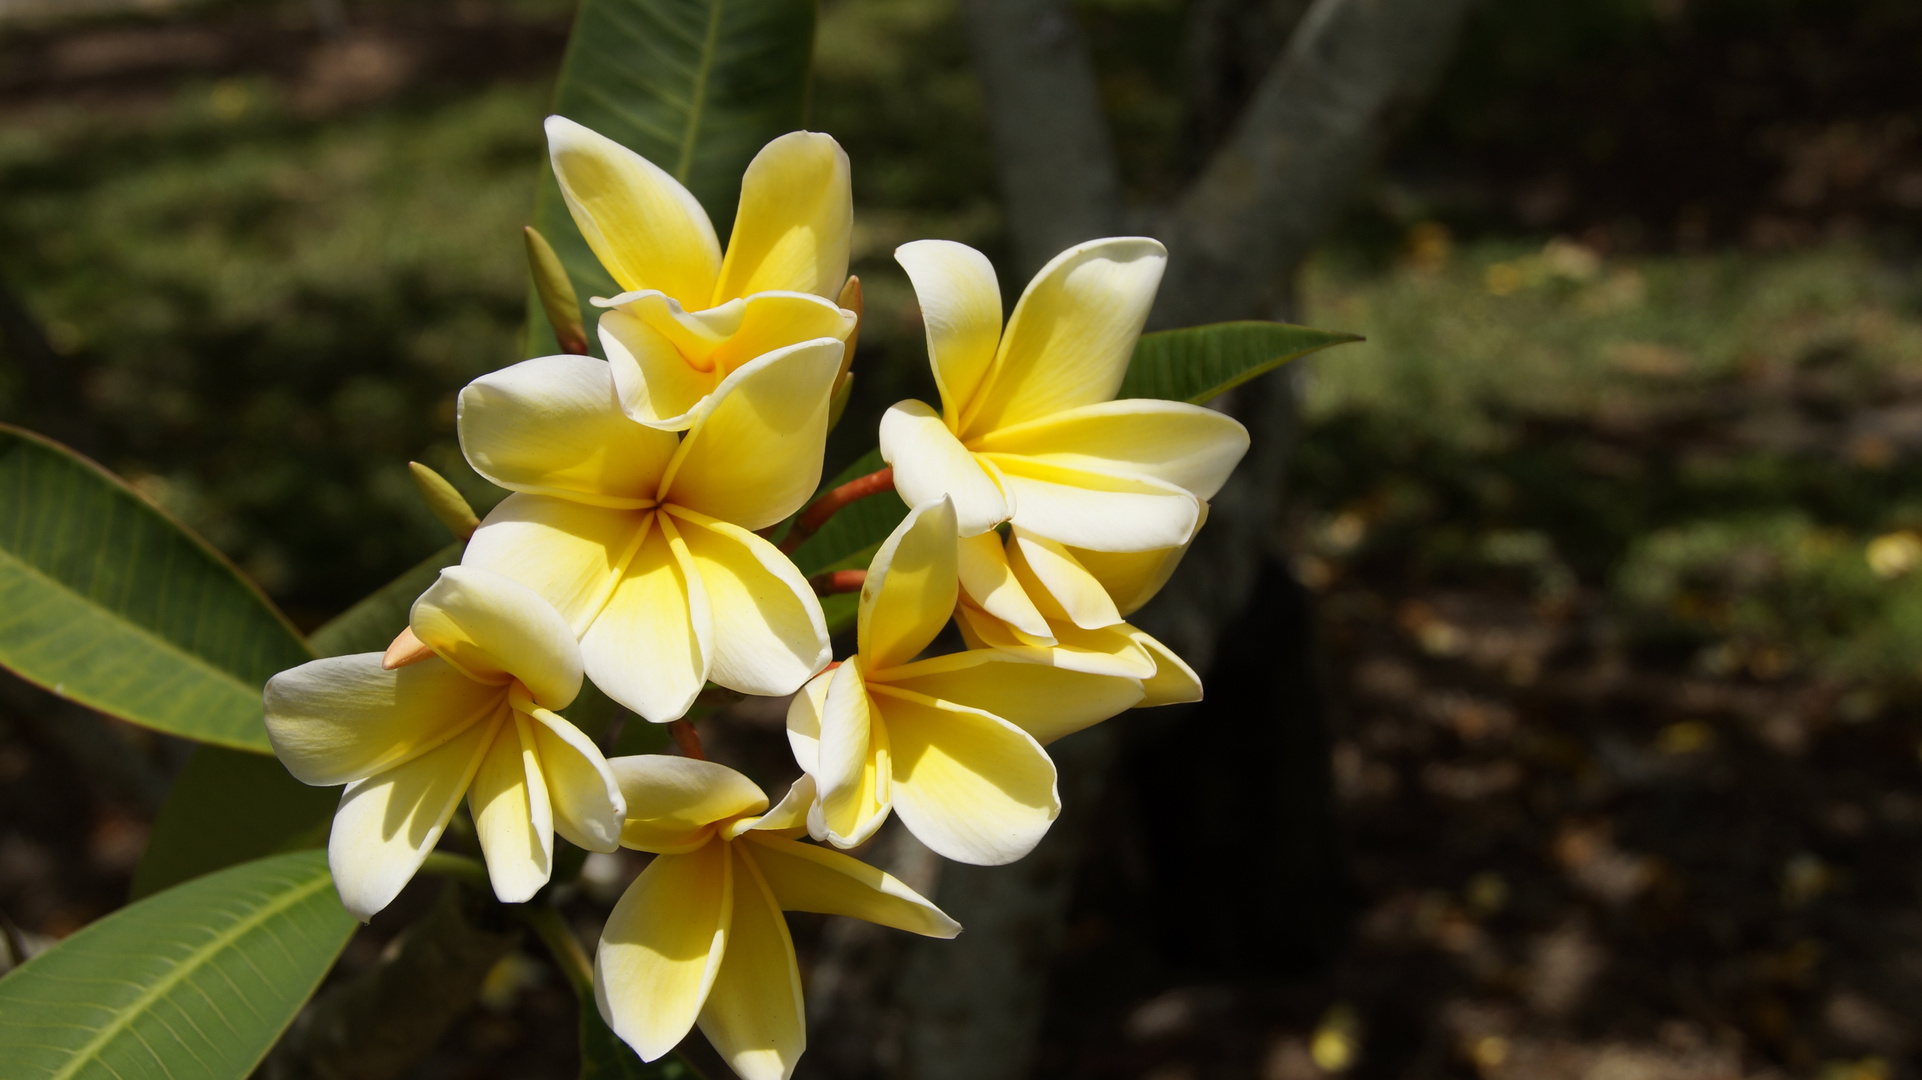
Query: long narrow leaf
[[370, 625], [695, 86], [1201, 362], [106, 600], [196, 982], [227, 807]]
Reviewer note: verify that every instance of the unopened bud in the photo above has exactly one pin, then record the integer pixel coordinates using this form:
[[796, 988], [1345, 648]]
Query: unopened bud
[[444, 501], [556, 291]]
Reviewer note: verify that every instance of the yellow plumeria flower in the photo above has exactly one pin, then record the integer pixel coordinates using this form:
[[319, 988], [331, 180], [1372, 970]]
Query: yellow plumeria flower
[[1028, 431], [475, 718], [699, 937], [1048, 603], [951, 743], [689, 316], [645, 542]]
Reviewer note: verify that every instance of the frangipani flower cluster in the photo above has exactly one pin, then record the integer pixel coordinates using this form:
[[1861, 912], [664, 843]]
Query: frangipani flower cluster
[[630, 551]]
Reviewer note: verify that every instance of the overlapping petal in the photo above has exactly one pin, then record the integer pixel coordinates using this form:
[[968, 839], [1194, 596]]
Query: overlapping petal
[[1173, 682], [769, 632], [649, 647], [1111, 650], [961, 311], [969, 785], [663, 947], [1095, 510], [494, 628], [753, 1014], [1057, 583], [1046, 702], [646, 229], [796, 220], [570, 553], [808, 878], [1181, 444], [910, 589], [1132, 578], [342, 719], [553, 426], [852, 765], [587, 802], [387, 823], [673, 803], [991, 583], [930, 462], [512, 814]]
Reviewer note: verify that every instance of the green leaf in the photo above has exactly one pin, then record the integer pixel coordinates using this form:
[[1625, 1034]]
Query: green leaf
[[695, 86], [106, 600], [370, 625], [196, 982], [1201, 362], [605, 1057], [228, 807]]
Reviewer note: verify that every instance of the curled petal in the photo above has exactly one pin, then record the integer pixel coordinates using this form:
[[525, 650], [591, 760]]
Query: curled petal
[[1173, 682], [1110, 650], [1072, 333], [1133, 578], [852, 764], [991, 584], [796, 220], [673, 802], [910, 588], [753, 1015], [769, 633], [344, 718], [494, 628], [654, 384], [804, 877], [647, 230], [971, 786], [588, 805], [961, 309], [804, 721], [388, 822], [1094, 510], [553, 426], [1046, 702], [663, 947], [1061, 587], [930, 462], [512, 815], [788, 818], [1172, 441]]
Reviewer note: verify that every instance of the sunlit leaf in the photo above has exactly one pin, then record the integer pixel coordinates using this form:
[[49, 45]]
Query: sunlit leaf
[[106, 600], [195, 982], [1201, 362]]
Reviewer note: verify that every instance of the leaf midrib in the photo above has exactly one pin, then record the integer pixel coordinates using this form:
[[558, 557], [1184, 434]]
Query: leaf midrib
[[698, 99], [195, 960]]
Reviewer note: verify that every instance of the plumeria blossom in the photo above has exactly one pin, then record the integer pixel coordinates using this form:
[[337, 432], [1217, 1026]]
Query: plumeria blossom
[[1066, 607], [1028, 430], [474, 716], [690, 317], [644, 541], [699, 936], [951, 743]]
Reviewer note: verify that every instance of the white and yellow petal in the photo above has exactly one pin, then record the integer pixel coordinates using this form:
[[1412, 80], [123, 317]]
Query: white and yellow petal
[[663, 947], [1185, 445], [494, 628], [1132, 578], [910, 589], [654, 384], [930, 462], [804, 877], [1046, 702], [969, 785], [796, 220], [769, 633], [586, 797], [512, 815], [387, 823], [570, 553], [673, 803], [1061, 588], [852, 769], [753, 456], [1110, 650], [1173, 682], [1095, 510], [553, 426], [649, 647], [1072, 334], [344, 718], [753, 1015], [647, 230], [961, 311], [991, 584]]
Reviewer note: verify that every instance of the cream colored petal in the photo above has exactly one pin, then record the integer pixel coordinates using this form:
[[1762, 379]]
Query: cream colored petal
[[804, 721], [569, 553], [1060, 586], [776, 320], [990, 583], [1096, 511], [754, 1016], [753, 456], [930, 462], [388, 822], [512, 815], [910, 589], [663, 947], [795, 223], [769, 633], [804, 877], [961, 309], [788, 818], [1107, 651], [554, 426], [1133, 578], [1185, 445], [647, 230], [971, 786], [1046, 702], [654, 384], [342, 719], [494, 628], [1072, 333], [588, 805], [673, 802], [650, 646], [852, 770], [1173, 682]]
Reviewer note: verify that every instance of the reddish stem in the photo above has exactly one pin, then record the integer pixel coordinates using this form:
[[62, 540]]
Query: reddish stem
[[687, 739], [838, 581], [828, 505]]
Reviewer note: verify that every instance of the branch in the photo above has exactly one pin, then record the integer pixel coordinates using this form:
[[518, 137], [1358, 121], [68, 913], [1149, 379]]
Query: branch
[[825, 507]]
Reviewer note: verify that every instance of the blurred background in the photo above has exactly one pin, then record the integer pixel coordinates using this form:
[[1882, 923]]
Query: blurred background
[[1610, 535]]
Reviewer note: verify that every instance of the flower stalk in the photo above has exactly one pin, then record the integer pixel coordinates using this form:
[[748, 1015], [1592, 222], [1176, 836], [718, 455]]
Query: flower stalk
[[825, 507]]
